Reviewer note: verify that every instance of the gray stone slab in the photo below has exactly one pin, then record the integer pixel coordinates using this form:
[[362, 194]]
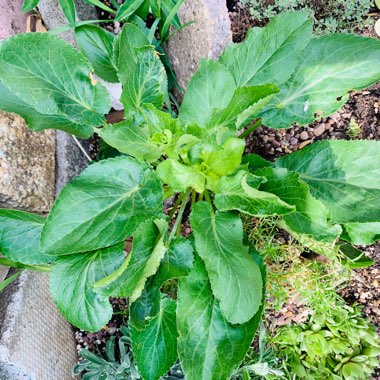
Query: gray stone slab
[[11, 21], [205, 38], [35, 342], [53, 16], [27, 161]]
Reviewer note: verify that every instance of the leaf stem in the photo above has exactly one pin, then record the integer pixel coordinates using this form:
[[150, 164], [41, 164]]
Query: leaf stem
[[193, 197], [180, 215], [207, 196], [176, 204], [253, 127]]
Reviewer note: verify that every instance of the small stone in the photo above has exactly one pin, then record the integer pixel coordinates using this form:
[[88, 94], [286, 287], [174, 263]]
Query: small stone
[[293, 141], [276, 144], [318, 131], [303, 144], [265, 138], [304, 135]]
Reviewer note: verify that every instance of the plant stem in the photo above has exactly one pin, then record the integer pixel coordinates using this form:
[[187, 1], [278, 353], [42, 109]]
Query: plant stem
[[193, 197], [180, 215], [207, 196], [176, 204], [253, 127]]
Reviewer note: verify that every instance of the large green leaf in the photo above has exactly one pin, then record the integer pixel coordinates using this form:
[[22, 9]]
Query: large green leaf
[[20, 235], [209, 347], [332, 65], [362, 233], [310, 217], [270, 54], [101, 207], [343, 175], [142, 262], [155, 347], [234, 276], [71, 283], [240, 193], [177, 263], [140, 70], [97, 45], [53, 79], [211, 88]]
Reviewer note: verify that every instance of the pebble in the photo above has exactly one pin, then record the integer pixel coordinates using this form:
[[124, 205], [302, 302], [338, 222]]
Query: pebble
[[293, 141], [304, 135], [319, 130], [303, 144]]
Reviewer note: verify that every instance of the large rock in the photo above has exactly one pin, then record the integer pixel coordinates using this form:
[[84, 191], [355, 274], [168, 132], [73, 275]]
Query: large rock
[[27, 164], [35, 342], [205, 38], [11, 21]]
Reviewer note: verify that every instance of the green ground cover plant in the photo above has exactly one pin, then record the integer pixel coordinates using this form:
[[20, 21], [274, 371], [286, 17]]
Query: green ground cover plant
[[329, 16], [327, 192]]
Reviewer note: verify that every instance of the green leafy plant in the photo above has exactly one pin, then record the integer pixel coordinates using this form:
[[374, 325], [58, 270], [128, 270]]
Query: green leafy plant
[[330, 16], [281, 74], [164, 12], [336, 344]]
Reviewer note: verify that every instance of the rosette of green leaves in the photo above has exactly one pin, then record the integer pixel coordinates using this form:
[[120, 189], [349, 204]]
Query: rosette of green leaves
[[217, 280]]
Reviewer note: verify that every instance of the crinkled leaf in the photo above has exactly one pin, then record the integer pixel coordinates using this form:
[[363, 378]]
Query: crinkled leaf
[[19, 237], [28, 5], [71, 283], [97, 45], [223, 160], [181, 177], [53, 79], [270, 54], [343, 175], [310, 217], [211, 88], [102, 206], [332, 65], [254, 162], [240, 193], [234, 276], [142, 262], [209, 347], [177, 263], [127, 9], [361, 233], [155, 347]]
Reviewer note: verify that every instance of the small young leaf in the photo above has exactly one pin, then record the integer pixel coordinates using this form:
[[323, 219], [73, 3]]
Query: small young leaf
[[28, 5], [99, 4], [332, 65], [71, 283], [343, 175], [7, 281], [155, 347], [180, 177], [20, 235], [97, 45], [128, 9], [142, 262], [63, 94], [234, 276], [68, 8], [209, 347], [356, 257], [260, 58], [102, 206]]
